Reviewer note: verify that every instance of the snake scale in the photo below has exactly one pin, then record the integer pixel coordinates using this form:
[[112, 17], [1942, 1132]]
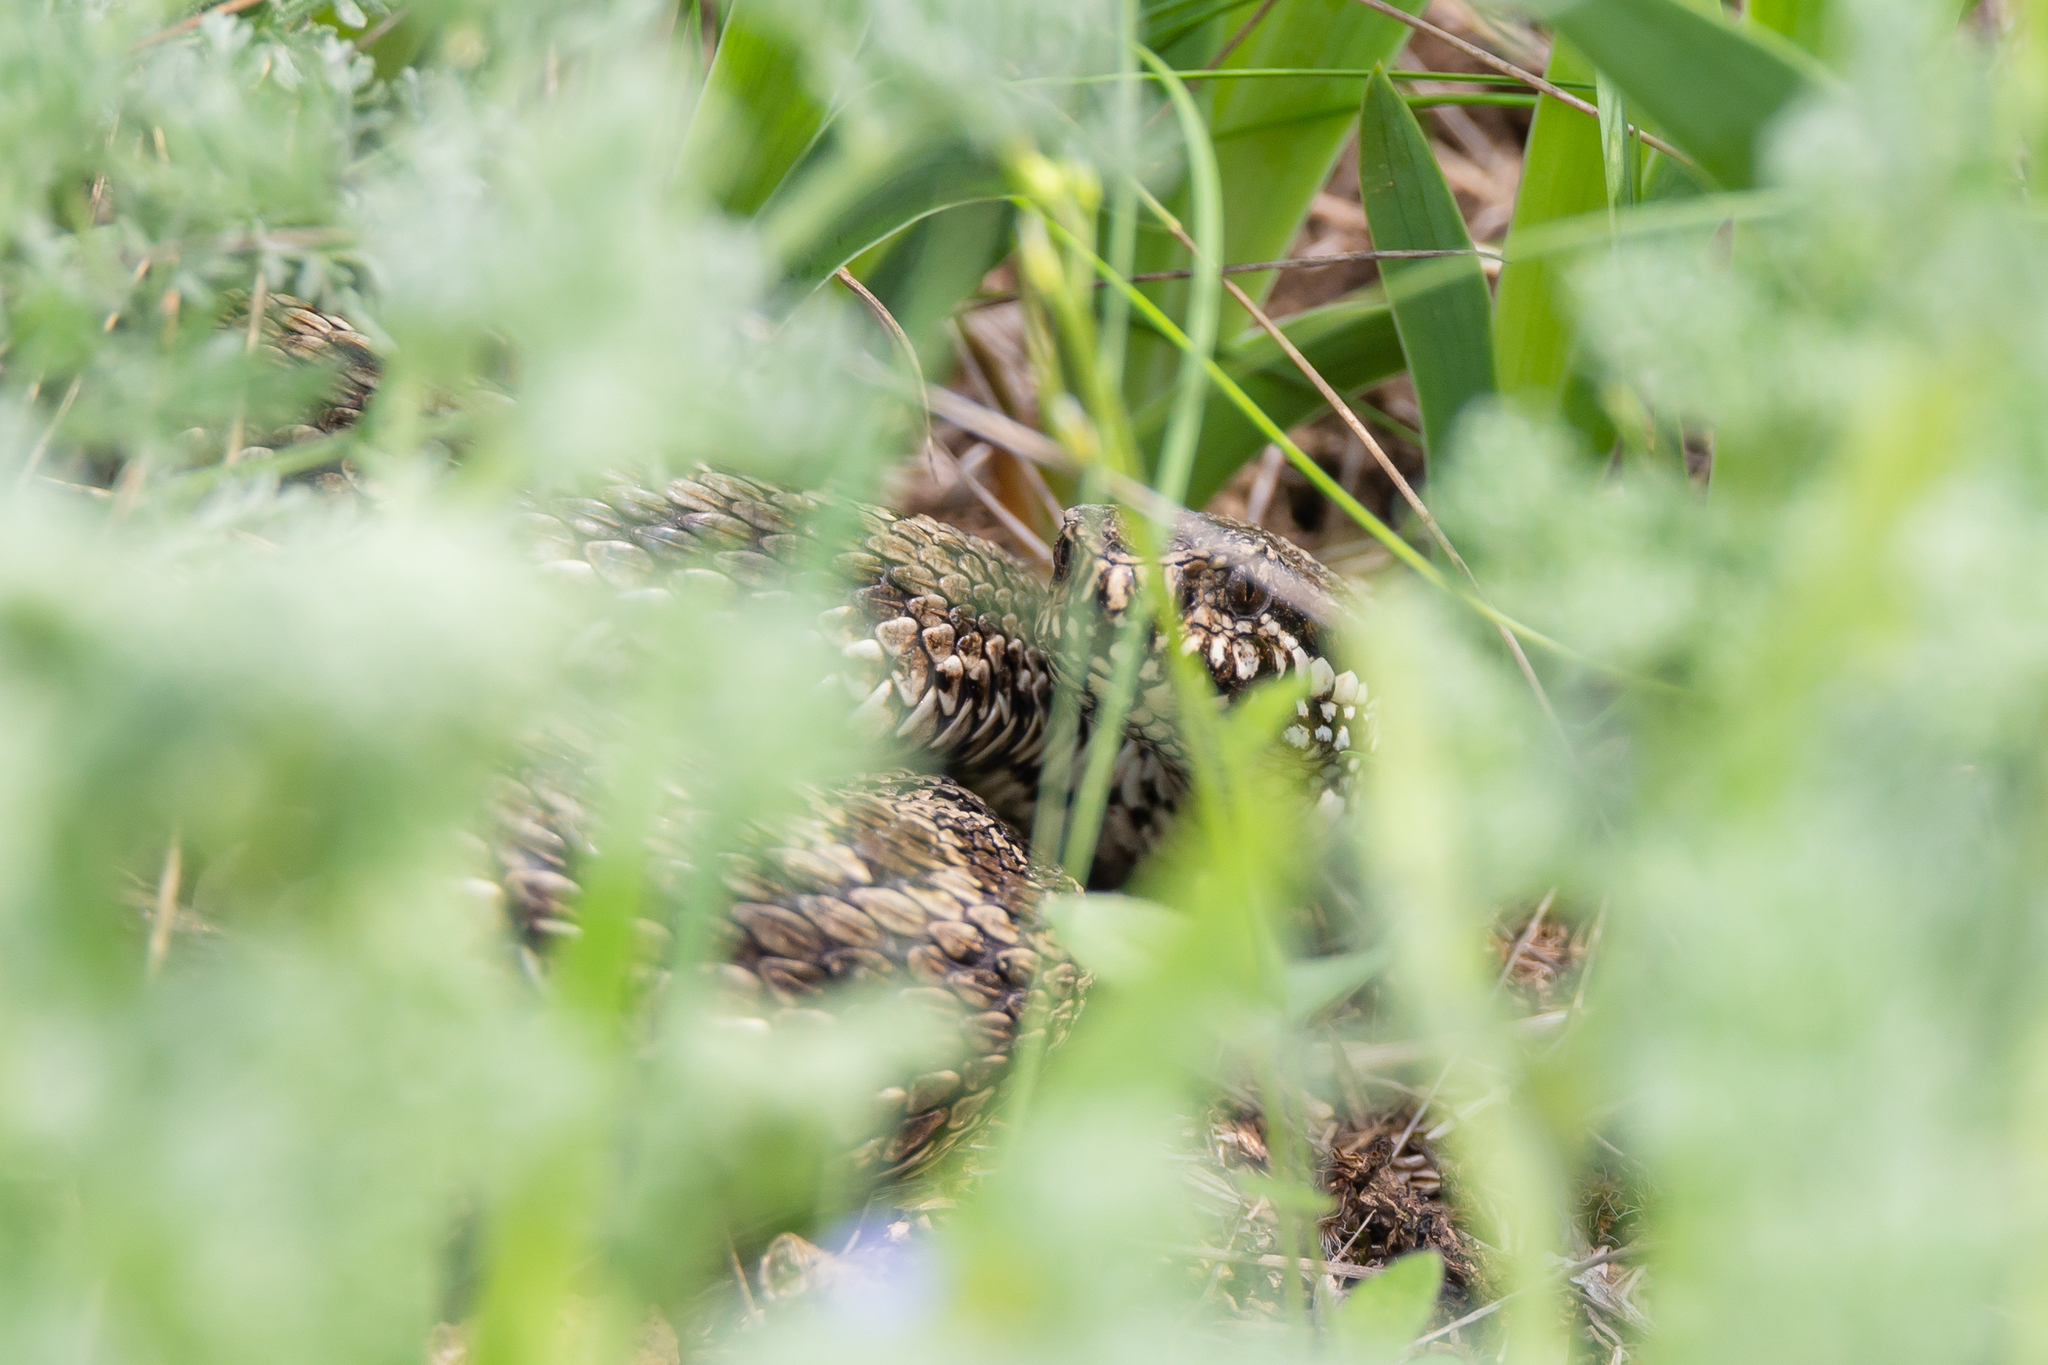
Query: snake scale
[[952, 648]]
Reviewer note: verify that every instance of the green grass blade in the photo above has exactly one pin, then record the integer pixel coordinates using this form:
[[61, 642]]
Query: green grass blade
[[755, 118], [1176, 455], [1351, 342], [1710, 86], [1561, 178], [1617, 150], [1205, 289], [1445, 313]]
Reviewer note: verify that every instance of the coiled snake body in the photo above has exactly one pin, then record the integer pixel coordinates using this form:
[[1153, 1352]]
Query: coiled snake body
[[952, 647]]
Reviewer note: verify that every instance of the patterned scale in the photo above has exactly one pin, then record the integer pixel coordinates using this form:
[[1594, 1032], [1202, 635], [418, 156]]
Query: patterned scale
[[900, 880], [938, 632], [294, 332], [909, 880], [945, 642], [1252, 606]]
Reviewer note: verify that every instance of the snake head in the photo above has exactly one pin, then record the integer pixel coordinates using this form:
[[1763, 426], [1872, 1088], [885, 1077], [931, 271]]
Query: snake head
[[1252, 607]]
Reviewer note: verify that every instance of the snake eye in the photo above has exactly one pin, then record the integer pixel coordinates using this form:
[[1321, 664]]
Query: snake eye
[[1244, 597], [1062, 558]]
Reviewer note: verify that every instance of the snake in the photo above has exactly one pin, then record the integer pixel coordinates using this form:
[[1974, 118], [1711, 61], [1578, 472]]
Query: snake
[[954, 650]]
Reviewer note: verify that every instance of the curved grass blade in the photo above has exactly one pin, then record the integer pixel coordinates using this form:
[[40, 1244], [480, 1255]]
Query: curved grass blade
[[1443, 311], [1205, 287], [923, 273]]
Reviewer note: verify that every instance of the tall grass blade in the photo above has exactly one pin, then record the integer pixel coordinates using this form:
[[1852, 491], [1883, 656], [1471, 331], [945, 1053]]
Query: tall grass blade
[[1441, 306], [1205, 289], [1561, 178]]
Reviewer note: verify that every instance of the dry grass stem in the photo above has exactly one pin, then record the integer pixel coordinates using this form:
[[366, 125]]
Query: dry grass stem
[[165, 915], [882, 315], [1012, 523], [35, 454]]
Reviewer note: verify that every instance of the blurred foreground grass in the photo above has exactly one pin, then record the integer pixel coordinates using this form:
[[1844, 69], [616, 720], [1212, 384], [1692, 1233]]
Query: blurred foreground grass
[[269, 1088]]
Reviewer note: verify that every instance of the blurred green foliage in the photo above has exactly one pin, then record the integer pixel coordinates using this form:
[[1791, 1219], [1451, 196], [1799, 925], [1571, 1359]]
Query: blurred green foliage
[[271, 1086]]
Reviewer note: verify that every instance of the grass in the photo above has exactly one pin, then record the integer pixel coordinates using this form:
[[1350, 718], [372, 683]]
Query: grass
[[1760, 802]]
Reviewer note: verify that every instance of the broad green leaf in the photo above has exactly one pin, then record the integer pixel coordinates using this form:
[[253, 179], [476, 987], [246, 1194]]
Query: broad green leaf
[[1710, 87], [1385, 1313], [1441, 306], [1561, 178], [1276, 141], [755, 119], [1351, 342]]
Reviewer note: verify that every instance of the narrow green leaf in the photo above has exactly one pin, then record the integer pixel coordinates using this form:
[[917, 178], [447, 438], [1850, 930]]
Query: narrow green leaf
[[1710, 86], [1351, 342], [1561, 178], [1151, 314], [1184, 423], [755, 119], [1385, 1313], [1617, 148], [1441, 306]]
